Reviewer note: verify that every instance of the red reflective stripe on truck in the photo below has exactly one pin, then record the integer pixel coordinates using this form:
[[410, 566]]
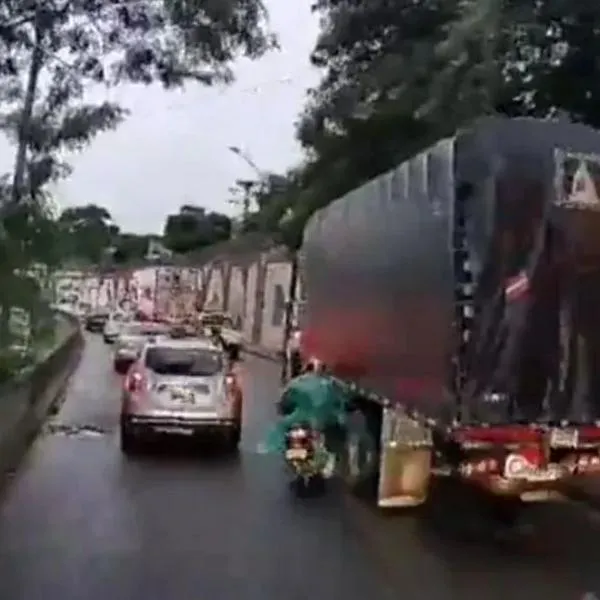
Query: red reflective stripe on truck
[[502, 434]]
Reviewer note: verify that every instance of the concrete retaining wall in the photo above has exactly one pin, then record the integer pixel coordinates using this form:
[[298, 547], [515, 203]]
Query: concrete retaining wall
[[252, 285], [26, 401]]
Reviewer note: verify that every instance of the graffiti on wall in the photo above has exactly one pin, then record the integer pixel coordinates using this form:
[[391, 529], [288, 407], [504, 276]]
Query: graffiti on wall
[[253, 290], [177, 291], [167, 291], [214, 297]]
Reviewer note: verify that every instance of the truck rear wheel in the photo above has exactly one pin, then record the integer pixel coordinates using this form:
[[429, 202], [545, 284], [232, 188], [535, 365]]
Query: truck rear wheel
[[466, 512]]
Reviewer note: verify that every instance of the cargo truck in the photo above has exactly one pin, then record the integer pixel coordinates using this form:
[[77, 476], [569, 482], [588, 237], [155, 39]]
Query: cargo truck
[[458, 298]]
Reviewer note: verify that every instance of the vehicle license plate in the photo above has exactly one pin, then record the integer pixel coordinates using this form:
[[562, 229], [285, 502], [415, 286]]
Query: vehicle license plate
[[296, 454], [174, 430], [564, 438], [186, 398], [542, 475], [516, 467]]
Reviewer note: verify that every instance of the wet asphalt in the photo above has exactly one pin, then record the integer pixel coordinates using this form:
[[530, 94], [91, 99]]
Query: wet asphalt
[[80, 521]]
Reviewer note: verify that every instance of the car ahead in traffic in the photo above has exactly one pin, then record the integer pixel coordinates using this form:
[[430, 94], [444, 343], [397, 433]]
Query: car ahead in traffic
[[113, 326], [132, 339], [181, 388], [94, 322]]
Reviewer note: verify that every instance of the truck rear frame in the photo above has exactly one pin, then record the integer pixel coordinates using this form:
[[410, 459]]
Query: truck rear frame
[[393, 447]]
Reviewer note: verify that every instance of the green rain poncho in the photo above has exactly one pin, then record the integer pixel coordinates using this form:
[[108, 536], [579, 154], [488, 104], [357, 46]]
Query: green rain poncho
[[313, 399]]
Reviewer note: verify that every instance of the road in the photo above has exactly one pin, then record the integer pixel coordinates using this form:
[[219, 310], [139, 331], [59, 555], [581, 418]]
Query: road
[[81, 521]]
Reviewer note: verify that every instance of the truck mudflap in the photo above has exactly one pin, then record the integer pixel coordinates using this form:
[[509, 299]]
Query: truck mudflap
[[404, 460]]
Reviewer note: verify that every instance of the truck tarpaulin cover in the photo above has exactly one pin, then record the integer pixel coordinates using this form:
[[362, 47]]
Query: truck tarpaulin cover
[[385, 278]]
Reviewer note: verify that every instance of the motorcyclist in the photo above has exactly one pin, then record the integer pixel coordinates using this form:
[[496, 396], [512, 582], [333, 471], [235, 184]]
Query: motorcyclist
[[315, 399]]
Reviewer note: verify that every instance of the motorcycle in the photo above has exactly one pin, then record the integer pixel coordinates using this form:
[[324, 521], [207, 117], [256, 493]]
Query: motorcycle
[[308, 459]]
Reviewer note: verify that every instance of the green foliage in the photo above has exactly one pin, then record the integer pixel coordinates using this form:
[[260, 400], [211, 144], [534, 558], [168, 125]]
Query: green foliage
[[143, 41], [68, 45], [130, 247], [193, 228], [399, 75], [87, 232]]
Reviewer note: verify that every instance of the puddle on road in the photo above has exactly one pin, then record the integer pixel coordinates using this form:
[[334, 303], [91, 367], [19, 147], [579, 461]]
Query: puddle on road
[[261, 448], [74, 430]]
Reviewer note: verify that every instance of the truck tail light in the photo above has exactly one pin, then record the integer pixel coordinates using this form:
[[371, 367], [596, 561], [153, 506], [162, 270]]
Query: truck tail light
[[486, 466], [498, 435]]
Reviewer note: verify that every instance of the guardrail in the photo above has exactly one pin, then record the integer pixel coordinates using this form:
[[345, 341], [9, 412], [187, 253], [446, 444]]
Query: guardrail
[[29, 398]]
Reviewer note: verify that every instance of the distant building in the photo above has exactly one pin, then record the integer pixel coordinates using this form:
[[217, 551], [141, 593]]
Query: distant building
[[192, 211], [156, 251]]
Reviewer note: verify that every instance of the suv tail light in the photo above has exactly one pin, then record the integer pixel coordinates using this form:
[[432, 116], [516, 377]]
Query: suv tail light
[[228, 403], [135, 383]]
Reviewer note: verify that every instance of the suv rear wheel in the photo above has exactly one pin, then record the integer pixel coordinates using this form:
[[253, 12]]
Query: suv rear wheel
[[233, 438], [127, 439]]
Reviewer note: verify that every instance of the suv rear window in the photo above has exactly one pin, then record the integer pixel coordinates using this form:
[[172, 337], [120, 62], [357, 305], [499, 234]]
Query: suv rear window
[[193, 362]]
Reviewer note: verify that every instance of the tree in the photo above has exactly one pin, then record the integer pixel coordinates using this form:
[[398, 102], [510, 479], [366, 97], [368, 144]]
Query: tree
[[87, 232], [70, 42], [103, 41], [193, 228], [131, 247], [520, 58], [362, 119], [369, 53], [399, 75]]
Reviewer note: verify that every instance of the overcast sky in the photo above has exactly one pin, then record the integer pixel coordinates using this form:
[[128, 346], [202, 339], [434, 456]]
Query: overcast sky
[[173, 148]]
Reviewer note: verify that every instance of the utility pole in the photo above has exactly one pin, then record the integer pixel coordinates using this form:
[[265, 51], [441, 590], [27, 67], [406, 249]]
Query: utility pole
[[246, 187], [247, 159]]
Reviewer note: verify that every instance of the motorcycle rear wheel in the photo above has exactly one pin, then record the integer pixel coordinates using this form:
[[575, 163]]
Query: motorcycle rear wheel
[[307, 486]]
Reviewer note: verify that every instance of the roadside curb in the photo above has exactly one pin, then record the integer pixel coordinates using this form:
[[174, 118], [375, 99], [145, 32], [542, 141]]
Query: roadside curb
[[17, 440]]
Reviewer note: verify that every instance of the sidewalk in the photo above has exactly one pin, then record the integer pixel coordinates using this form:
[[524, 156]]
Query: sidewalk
[[258, 350]]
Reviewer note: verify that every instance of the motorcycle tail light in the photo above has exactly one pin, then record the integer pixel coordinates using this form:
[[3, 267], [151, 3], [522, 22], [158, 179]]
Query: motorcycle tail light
[[299, 434]]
